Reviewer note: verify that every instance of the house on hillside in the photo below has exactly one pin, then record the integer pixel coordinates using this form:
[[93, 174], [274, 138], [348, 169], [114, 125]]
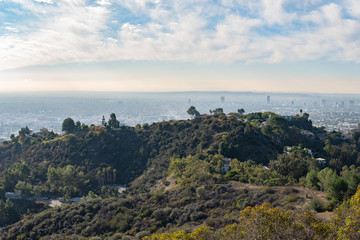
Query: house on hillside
[[309, 151], [287, 149], [78, 199], [265, 123], [226, 165], [12, 195], [307, 133], [321, 161]]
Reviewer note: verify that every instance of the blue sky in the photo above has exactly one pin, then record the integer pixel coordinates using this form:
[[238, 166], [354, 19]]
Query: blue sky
[[161, 45]]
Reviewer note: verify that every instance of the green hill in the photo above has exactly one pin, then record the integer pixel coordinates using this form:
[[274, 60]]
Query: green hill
[[175, 173]]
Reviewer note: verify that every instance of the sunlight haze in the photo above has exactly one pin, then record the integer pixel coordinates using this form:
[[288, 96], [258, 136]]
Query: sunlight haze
[[155, 45]]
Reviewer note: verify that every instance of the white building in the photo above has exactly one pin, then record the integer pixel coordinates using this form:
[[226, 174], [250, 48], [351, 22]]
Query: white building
[[226, 165], [13, 195]]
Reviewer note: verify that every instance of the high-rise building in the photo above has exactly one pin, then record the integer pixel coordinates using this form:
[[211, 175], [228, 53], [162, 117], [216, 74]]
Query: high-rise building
[[352, 103], [268, 99], [323, 102], [292, 103], [222, 99], [189, 101]]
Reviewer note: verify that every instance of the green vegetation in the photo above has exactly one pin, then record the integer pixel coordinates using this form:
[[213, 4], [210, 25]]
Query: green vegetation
[[266, 222], [193, 112], [72, 164], [8, 213], [68, 125], [113, 122], [181, 175]]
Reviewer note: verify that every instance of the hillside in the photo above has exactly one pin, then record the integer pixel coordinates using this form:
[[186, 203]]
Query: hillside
[[128, 150], [143, 214], [175, 173]]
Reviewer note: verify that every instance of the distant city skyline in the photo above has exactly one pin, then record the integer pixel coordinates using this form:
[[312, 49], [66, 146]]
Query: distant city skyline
[[158, 45], [37, 110]]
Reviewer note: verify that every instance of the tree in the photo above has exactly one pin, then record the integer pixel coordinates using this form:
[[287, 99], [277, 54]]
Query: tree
[[78, 126], [346, 220], [68, 180], [306, 116], [217, 111], [335, 186], [113, 123], [292, 164], [266, 222], [84, 126], [23, 188], [103, 121], [241, 111], [311, 180], [326, 177], [338, 189], [24, 131], [189, 170], [193, 112], [352, 176], [8, 213], [44, 131], [278, 121], [68, 125]]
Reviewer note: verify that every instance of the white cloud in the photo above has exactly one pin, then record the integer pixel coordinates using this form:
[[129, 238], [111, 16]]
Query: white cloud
[[70, 35], [313, 17], [44, 1], [179, 30], [11, 29], [353, 7], [274, 12], [332, 13], [103, 2]]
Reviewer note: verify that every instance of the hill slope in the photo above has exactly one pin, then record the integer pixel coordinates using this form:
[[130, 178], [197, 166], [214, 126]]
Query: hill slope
[[175, 173]]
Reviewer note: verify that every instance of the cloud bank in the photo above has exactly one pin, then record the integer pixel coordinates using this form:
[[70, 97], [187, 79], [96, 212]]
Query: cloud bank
[[43, 32]]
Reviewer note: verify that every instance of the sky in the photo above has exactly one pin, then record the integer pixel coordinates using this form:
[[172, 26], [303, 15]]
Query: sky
[[180, 45]]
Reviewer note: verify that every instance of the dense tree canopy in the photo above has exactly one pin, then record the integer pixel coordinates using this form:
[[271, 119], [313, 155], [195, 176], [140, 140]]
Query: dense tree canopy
[[193, 112], [68, 125], [113, 122]]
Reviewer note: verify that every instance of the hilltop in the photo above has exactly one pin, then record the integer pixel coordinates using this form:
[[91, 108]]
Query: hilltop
[[176, 173]]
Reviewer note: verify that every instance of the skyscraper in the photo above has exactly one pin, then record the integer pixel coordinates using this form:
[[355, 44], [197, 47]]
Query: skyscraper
[[268, 99]]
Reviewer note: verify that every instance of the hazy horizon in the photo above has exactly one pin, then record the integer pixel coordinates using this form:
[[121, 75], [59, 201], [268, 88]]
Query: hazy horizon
[[45, 109], [110, 94]]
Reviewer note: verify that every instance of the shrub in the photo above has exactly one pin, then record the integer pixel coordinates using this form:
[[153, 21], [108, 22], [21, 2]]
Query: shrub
[[316, 205]]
